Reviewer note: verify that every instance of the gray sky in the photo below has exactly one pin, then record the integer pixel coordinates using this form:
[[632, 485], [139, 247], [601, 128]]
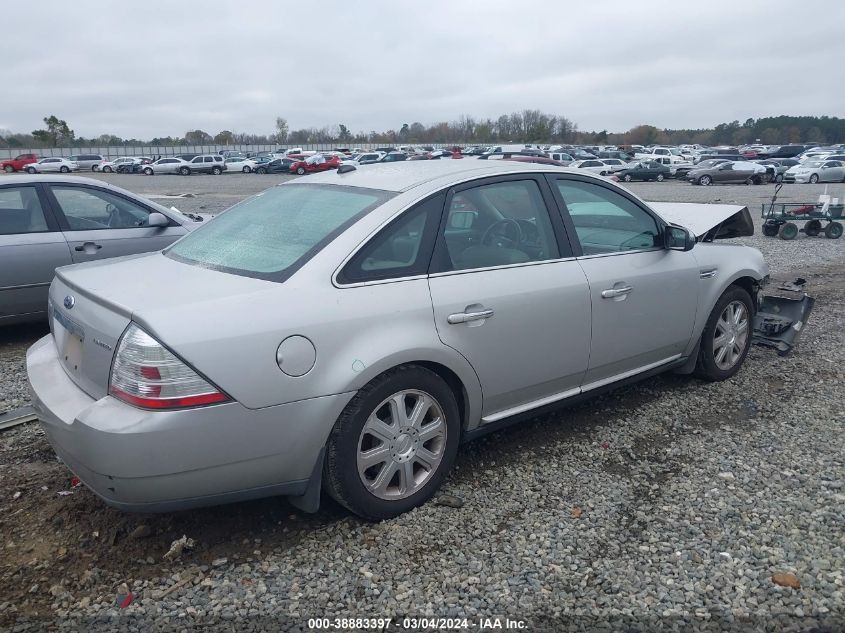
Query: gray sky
[[144, 69]]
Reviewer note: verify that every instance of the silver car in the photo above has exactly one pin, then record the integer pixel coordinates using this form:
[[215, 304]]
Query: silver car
[[348, 331], [170, 165], [52, 221], [52, 164]]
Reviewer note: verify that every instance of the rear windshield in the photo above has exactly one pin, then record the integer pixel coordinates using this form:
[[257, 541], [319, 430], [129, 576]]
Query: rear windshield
[[274, 233]]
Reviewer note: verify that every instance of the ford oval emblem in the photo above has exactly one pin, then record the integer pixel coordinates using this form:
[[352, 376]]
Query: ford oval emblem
[[69, 302]]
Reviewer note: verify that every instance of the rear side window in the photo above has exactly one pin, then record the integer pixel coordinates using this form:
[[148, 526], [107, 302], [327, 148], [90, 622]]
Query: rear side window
[[274, 233], [402, 249], [20, 211]]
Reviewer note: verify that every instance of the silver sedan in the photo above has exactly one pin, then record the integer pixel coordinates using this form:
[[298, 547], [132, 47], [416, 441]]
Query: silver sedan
[[348, 331], [52, 221], [170, 165]]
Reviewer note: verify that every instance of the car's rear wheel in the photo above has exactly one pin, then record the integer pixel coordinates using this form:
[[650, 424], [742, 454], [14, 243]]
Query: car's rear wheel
[[107, 169], [216, 171], [393, 444], [185, 171], [727, 335], [261, 170], [64, 169], [148, 171], [659, 178], [300, 171], [9, 169], [705, 180]]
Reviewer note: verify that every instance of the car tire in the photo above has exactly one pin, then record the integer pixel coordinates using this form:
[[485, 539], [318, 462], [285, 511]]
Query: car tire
[[770, 230], [356, 486], [185, 171], [659, 178], [788, 231], [107, 169], [833, 231], [31, 170], [94, 168], [148, 171], [63, 169], [261, 170], [704, 180], [627, 178], [216, 171], [300, 171], [246, 169], [731, 318], [813, 228], [814, 178], [9, 169]]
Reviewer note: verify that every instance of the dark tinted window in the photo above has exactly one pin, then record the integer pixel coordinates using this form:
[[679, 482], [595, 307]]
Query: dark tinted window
[[402, 249]]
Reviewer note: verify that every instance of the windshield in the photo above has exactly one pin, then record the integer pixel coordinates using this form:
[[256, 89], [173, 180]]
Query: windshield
[[272, 234]]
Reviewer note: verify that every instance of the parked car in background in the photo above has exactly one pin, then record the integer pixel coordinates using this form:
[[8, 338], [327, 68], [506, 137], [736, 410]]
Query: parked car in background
[[52, 221], [51, 164], [18, 162], [368, 158], [562, 157], [682, 171], [593, 165], [394, 157], [643, 170], [615, 164], [728, 172], [311, 166], [275, 166], [169, 165], [240, 163], [732, 157], [345, 249], [204, 164], [816, 171], [779, 166], [784, 151], [118, 163], [88, 162]]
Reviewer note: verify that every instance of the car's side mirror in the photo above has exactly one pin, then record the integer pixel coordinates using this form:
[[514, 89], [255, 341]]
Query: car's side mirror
[[157, 219], [677, 238]]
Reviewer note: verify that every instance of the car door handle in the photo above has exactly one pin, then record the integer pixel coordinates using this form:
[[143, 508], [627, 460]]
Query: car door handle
[[88, 245], [466, 317], [610, 293]]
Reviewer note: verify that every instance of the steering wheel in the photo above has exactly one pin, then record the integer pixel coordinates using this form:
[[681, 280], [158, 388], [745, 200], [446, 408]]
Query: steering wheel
[[499, 231]]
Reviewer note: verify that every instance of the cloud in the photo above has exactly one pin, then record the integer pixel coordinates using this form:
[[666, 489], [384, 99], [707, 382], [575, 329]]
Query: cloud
[[153, 69]]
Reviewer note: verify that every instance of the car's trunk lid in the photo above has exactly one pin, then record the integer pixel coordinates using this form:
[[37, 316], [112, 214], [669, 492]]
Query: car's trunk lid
[[92, 304]]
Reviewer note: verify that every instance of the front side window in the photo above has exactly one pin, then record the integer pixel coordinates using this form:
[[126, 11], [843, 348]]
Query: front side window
[[272, 234], [20, 211], [497, 225], [88, 209], [606, 221]]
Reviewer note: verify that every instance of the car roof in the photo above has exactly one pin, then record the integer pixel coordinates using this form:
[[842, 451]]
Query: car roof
[[402, 176]]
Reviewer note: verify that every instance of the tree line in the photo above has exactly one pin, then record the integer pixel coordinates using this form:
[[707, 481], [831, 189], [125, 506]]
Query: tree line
[[524, 126]]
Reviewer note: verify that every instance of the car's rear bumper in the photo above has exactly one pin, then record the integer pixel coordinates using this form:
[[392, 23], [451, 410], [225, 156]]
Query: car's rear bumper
[[155, 461]]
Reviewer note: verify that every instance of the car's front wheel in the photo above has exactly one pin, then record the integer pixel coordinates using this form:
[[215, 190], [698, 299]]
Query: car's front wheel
[[246, 169], [261, 170], [393, 444], [216, 171], [659, 177], [727, 335], [148, 171], [107, 169], [31, 170], [814, 179], [705, 180], [64, 169], [300, 171], [185, 171], [627, 178]]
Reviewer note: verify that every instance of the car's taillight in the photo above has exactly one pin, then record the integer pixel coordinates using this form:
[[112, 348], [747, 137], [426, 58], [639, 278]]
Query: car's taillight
[[146, 374]]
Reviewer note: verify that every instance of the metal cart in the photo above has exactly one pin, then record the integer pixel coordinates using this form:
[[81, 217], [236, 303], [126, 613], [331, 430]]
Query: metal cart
[[782, 218]]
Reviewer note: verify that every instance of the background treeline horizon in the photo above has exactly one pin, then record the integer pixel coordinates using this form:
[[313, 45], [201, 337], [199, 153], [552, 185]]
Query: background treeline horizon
[[531, 126]]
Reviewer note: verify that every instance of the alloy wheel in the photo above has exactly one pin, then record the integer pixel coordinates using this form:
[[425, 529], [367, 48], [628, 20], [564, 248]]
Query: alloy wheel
[[401, 445], [730, 335]]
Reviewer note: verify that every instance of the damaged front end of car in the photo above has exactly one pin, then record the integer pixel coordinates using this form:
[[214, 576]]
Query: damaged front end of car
[[781, 316]]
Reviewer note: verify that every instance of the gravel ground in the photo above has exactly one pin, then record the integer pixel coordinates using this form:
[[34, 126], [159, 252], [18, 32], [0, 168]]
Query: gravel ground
[[666, 505]]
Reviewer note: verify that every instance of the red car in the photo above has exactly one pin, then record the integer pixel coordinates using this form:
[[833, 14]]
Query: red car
[[302, 167], [18, 162]]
